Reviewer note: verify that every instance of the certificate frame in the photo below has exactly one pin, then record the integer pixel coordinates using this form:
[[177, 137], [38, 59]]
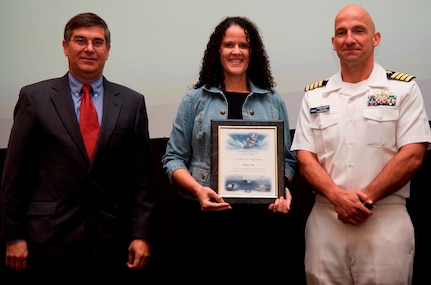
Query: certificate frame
[[247, 160]]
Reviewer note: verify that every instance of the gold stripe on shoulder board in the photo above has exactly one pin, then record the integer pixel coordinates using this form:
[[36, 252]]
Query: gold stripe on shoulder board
[[399, 76], [316, 85]]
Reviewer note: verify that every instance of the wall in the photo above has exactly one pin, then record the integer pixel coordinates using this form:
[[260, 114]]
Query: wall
[[157, 45]]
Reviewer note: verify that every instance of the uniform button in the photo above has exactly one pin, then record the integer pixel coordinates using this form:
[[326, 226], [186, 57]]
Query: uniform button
[[251, 112], [223, 112]]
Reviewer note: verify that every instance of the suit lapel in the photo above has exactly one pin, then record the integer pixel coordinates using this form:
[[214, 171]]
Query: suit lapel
[[65, 110], [111, 110]]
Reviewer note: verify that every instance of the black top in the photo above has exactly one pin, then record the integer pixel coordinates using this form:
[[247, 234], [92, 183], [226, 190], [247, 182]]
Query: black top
[[235, 100]]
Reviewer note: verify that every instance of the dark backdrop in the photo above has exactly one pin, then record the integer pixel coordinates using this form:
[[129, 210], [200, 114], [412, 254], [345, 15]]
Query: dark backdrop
[[162, 267]]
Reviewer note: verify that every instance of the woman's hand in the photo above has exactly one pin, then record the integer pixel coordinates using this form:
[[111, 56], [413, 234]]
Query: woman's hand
[[211, 201], [281, 205]]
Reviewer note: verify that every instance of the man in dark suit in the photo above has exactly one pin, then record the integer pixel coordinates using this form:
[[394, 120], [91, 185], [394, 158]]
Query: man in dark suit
[[65, 212]]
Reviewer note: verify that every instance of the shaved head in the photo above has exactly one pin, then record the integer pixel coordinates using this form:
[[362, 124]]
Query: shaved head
[[354, 40], [356, 12]]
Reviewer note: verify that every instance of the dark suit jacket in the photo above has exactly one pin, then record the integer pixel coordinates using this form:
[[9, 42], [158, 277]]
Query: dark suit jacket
[[53, 197]]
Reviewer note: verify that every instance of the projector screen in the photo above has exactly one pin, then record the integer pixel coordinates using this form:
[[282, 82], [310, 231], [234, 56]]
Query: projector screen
[[157, 46]]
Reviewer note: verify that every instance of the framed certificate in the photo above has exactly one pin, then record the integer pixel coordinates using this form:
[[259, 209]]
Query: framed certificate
[[247, 160]]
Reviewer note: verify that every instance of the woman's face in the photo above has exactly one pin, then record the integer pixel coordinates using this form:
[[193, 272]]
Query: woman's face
[[235, 52]]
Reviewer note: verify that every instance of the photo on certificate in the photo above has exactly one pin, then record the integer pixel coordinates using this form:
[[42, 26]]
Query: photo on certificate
[[247, 160]]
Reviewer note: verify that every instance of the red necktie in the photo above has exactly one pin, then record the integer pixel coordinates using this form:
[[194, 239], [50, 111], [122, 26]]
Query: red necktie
[[88, 122]]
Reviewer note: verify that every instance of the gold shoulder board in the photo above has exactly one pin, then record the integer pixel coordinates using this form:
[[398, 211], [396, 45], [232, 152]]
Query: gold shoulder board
[[316, 85], [399, 76]]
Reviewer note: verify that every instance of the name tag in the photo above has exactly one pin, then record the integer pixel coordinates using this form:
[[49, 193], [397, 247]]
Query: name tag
[[320, 109]]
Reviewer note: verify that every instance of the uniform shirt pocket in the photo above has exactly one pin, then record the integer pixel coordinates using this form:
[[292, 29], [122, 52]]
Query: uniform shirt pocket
[[381, 126], [324, 130]]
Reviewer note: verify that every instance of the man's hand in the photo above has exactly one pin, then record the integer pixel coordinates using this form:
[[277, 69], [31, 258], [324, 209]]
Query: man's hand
[[350, 208], [16, 255], [139, 253]]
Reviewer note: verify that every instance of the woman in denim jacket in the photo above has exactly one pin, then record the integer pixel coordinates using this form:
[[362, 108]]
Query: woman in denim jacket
[[235, 82]]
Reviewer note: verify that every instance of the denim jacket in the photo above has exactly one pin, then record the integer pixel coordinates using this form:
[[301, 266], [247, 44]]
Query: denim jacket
[[189, 145]]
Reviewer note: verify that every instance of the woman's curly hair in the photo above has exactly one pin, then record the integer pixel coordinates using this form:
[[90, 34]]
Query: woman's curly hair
[[259, 72]]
